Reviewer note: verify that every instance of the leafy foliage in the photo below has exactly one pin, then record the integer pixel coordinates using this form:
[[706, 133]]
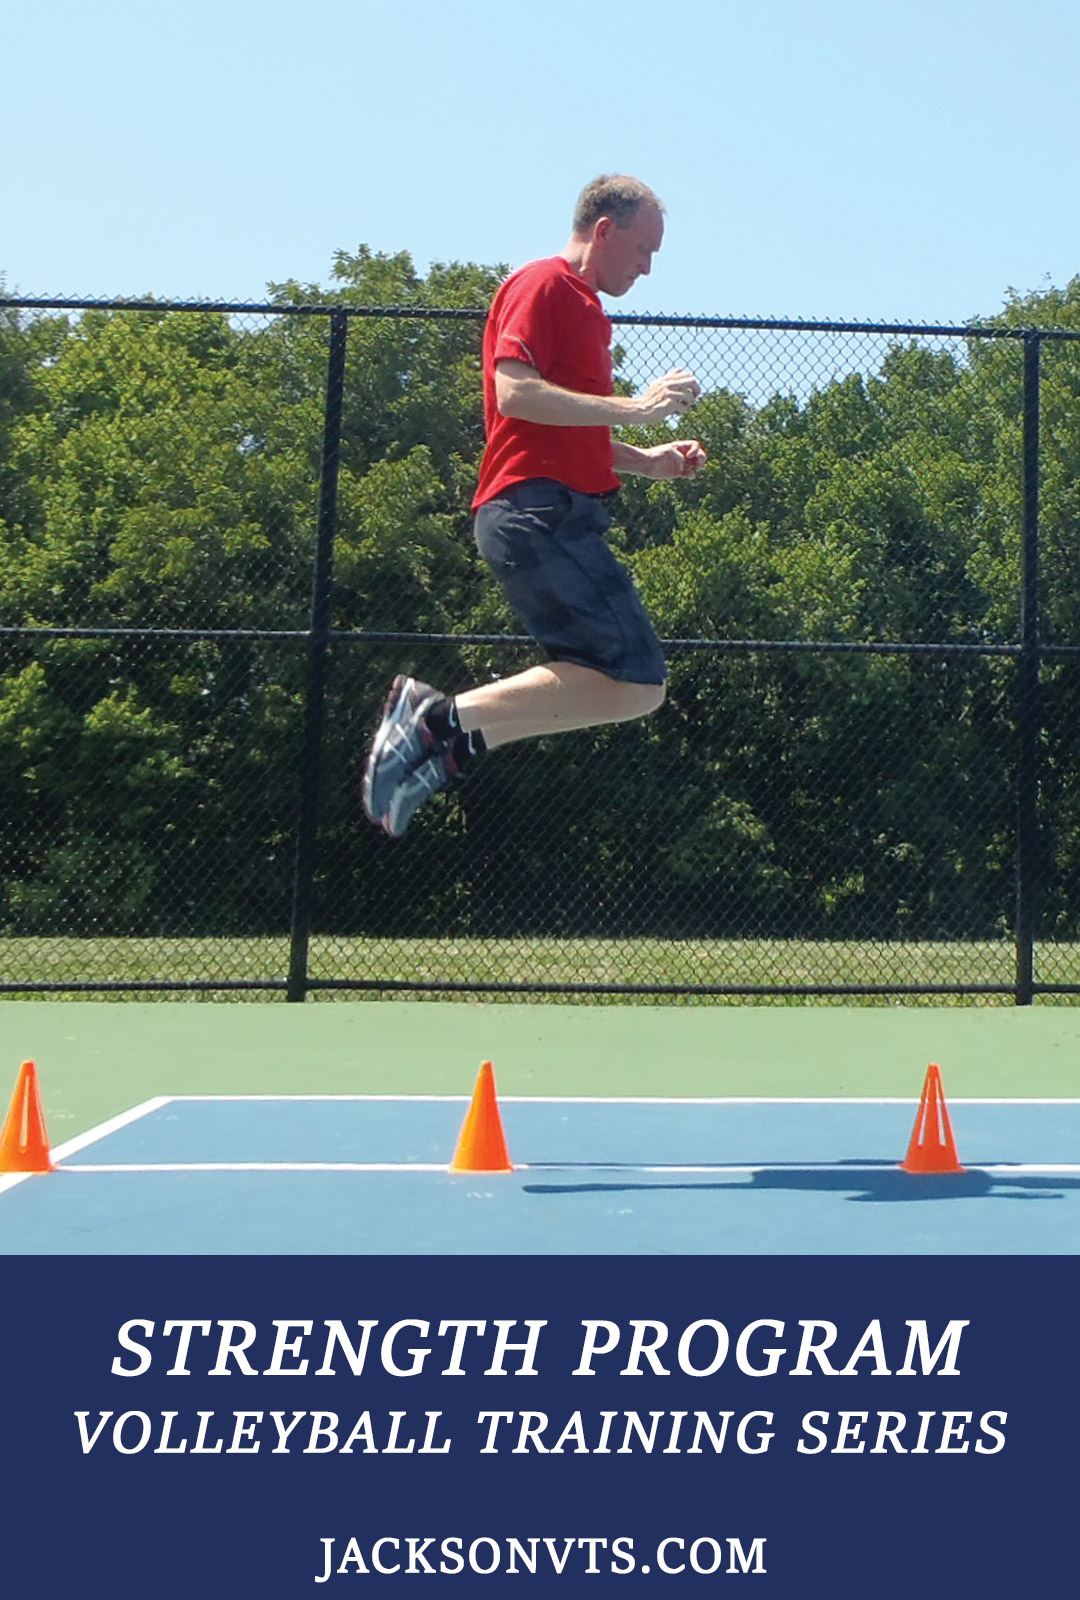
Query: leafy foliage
[[161, 470]]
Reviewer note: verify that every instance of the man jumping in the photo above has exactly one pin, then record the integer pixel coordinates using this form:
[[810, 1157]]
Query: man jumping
[[542, 508]]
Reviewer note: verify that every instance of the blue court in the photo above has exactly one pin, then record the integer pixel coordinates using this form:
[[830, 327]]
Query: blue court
[[356, 1174]]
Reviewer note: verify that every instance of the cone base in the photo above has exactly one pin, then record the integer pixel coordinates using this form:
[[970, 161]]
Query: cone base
[[458, 1166], [22, 1166], [931, 1167]]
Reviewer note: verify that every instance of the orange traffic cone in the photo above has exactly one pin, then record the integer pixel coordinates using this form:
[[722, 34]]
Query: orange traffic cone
[[481, 1145], [24, 1144], [932, 1147]]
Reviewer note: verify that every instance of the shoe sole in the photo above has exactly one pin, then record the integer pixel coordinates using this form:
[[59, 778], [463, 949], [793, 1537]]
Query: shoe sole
[[391, 719], [398, 689]]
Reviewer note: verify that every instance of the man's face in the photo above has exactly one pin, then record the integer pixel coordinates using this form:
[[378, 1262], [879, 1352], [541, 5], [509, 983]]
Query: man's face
[[623, 255]]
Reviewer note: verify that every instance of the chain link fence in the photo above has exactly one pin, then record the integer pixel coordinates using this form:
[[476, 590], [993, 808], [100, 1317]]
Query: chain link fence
[[226, 528]]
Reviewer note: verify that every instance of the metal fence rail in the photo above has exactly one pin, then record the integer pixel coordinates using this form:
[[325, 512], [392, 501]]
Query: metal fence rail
[[228, 525]]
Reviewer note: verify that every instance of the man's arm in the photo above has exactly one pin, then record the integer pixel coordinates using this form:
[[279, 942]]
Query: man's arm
[[522, 393], [682, 458]]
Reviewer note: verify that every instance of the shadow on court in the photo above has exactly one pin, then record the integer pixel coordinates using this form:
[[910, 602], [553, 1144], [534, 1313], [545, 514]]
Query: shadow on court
[[886, 1186]]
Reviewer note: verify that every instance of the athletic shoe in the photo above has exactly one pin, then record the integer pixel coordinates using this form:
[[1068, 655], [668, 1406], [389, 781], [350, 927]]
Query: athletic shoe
[[438, 772], [401, 743]]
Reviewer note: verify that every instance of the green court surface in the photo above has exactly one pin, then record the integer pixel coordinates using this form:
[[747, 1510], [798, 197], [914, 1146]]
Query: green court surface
[[97, 1058]]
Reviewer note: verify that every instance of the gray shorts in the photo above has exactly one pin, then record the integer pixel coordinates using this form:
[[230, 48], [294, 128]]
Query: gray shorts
[[545, 545]]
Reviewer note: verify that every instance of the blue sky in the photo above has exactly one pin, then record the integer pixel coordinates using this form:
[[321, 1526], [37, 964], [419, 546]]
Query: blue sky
[[821, 159]]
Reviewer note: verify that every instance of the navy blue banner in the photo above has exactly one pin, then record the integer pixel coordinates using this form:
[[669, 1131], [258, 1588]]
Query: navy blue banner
[[220, 1426]]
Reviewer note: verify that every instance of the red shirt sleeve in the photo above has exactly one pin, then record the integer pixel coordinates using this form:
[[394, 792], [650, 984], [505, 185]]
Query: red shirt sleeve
[[530, 321]]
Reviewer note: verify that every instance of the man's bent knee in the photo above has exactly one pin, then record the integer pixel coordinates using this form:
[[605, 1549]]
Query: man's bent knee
[[657, 696], [644, 698]]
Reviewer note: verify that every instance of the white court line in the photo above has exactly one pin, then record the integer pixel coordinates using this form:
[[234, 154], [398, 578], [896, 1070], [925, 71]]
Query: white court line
[[630, 1100], [81, 1141], [1002, 1169], [124, 1120], [258, 1166]]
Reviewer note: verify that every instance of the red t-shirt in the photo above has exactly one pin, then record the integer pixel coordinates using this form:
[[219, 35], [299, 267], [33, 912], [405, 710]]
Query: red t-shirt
[[547, 315]]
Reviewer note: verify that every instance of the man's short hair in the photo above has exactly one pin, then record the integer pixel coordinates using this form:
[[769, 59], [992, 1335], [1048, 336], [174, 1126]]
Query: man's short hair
[[617, 196]]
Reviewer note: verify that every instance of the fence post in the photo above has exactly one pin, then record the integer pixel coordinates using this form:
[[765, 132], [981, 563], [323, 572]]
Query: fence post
[[1028, 713], [318, 650]]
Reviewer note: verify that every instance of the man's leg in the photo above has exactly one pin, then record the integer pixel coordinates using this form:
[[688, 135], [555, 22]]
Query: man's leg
[[553, 698], [546, 546], [550, 699]]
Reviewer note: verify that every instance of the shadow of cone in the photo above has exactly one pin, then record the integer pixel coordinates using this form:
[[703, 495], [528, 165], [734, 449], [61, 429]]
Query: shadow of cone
[[932, 1147], [481, 1145], [24, 1144]]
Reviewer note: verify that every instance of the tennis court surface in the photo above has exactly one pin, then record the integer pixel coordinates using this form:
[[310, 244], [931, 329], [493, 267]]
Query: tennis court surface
[[330, 1129]]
